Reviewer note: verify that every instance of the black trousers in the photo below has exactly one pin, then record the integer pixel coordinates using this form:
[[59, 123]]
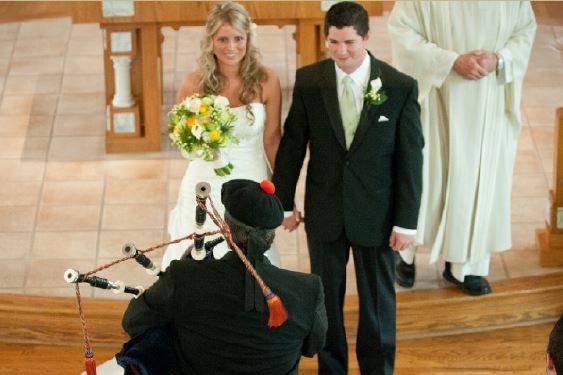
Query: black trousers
[[375, 277]]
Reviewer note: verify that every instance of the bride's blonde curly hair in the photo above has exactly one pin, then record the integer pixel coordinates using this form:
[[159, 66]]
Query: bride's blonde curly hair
[[250, 71]]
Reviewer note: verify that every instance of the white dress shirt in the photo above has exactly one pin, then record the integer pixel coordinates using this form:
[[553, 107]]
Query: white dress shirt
[[360, 82]]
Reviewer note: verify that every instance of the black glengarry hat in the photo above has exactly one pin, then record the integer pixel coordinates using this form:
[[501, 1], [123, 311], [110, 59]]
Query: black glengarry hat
[[252, 203]]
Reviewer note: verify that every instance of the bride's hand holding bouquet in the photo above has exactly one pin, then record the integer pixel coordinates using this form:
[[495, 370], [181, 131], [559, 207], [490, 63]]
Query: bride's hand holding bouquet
[[200, 126]]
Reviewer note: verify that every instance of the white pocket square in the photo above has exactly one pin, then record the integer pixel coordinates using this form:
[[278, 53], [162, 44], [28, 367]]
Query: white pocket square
[[382, 119]]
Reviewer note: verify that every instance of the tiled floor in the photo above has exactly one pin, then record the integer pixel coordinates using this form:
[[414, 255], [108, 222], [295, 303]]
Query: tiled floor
[[65, 203]]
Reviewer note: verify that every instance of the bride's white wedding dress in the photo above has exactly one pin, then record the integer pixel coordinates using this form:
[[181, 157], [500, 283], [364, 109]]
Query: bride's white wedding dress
[[249, 162]]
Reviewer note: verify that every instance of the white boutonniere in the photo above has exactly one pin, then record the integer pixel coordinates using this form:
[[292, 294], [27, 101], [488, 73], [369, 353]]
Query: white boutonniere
[[374, 94]]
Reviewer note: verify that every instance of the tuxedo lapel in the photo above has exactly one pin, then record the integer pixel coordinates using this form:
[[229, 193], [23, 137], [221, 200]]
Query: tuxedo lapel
[[368, 109], [330, 97]]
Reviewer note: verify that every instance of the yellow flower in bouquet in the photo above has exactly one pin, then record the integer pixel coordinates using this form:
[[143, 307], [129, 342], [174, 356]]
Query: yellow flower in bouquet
[[214, 135], [200, 126], [190, 122]]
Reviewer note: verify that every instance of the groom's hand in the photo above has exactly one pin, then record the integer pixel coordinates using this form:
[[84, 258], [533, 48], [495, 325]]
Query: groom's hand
[[291, 223], [400, 241]]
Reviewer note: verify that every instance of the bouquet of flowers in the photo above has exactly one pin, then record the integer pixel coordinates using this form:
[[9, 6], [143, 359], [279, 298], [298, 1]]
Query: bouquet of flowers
[[200, 126]]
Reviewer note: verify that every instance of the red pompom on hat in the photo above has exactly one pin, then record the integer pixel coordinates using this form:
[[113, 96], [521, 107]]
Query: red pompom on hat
[[268, 187], [252, 204]]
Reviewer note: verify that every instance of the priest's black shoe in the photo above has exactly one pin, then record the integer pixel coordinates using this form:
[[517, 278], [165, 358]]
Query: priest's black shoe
[[404, 272], [474, 285]]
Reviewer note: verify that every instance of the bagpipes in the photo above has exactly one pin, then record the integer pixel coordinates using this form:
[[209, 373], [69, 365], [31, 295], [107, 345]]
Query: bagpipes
[[200, 251]]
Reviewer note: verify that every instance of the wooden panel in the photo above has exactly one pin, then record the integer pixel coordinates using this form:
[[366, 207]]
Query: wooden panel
[[308, 39], [548, 12], [194, 12], [558, 158], [518, 350], [550, 246], [29, 359], [151, 84], [445, 311], [54, 320], [146, 86], [80, 11], [388, 6], [550, 239]]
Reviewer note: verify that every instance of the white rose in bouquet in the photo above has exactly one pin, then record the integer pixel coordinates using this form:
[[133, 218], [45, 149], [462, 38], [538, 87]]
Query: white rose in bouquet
[[194, 105], [196, 131], [206, 138], [221, 101]]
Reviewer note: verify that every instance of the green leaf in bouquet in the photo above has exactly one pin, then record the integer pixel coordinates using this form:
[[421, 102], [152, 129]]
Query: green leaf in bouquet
[[220, 172], [224, 170]]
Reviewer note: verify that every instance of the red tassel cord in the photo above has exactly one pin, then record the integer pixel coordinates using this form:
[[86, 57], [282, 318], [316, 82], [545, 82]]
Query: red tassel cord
[[90, 362], [278, 313]]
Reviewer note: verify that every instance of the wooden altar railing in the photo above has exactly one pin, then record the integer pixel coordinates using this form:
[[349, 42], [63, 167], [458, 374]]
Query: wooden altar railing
[[550, 238], [133, 104]]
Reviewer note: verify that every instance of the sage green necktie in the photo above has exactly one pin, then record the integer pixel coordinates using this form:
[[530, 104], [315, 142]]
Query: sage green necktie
[[348, 110]]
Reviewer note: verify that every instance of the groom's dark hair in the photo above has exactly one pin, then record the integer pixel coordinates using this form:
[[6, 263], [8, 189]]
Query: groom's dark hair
[[347, 13]]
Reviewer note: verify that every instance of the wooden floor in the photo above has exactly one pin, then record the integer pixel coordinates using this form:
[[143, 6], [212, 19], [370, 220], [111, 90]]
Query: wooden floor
[[518, 350], [28, 359], [469, 333], [439, 331]]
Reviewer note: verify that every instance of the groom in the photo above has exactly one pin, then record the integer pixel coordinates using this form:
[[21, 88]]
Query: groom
[[360, 119]]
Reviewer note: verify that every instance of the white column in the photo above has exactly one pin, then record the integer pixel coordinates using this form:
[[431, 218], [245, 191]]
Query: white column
[[122, 72]]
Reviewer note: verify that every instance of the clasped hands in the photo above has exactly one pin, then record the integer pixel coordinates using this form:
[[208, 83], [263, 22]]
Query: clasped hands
[[476, 64], [291, 222]]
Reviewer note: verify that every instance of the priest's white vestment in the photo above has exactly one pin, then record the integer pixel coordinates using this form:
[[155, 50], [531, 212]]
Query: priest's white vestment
[[470, 127]]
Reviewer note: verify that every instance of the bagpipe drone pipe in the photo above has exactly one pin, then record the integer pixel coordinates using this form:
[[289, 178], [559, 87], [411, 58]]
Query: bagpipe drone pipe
[[152, 350]]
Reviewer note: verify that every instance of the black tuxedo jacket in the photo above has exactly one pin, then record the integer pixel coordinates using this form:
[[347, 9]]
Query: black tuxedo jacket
[[370, 187], [203, 302]]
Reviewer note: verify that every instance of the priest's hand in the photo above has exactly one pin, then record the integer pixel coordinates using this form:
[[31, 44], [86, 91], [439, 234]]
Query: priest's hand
[[467, 66], [400, 241], [291, 222], [487, 60]]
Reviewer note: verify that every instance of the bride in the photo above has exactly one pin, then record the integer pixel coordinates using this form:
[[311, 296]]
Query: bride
[[229, 66]]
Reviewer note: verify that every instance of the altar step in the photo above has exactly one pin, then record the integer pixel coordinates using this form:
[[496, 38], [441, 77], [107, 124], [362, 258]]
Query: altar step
[[420, 314], [517, 350], [448, 311]]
